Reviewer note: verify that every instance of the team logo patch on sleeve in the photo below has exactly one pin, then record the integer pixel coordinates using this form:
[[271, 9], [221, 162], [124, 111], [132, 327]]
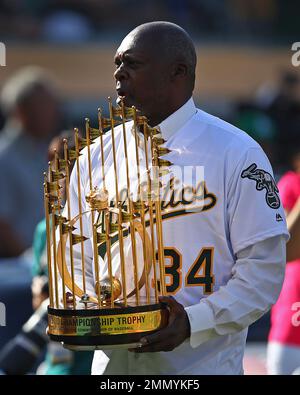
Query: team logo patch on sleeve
[[264, 180]]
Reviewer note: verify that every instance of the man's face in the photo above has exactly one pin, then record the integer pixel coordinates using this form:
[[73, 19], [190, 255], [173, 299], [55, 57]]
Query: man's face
[[142, 77], [40, 114]]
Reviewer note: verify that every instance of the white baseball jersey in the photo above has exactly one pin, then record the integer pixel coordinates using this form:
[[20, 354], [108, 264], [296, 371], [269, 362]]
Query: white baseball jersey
[[224, 243]]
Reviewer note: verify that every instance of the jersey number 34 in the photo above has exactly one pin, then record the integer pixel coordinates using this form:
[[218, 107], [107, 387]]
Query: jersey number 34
[[199, 274]]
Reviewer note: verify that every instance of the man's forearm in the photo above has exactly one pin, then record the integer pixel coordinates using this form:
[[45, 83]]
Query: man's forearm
[[255, 286]]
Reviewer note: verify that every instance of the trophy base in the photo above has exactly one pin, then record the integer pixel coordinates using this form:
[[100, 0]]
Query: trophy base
[[105, 328], [101, 347]]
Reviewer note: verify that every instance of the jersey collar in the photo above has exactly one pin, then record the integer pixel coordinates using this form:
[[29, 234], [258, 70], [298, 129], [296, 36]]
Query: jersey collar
[[177, 120]]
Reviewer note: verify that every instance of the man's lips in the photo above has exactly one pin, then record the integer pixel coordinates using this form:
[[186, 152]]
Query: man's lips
[[121, 93]]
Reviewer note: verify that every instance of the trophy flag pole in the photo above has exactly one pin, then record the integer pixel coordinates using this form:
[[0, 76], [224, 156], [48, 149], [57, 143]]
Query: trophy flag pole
[[94, 227], [130, 201], [53, 230], [76, 132], [102, 164], [46, 201], [69, 230], [118, 203], [150, 204], [109, 259], [101, 147], [105, 213], [141, 207], [101, 132], [58, 220], [161, 258]]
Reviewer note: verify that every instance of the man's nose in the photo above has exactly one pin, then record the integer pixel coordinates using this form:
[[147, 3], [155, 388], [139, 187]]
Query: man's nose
[[120, 73]]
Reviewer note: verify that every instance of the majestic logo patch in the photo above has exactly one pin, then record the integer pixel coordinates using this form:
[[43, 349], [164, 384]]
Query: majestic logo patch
[[264, 180], [279, 218]]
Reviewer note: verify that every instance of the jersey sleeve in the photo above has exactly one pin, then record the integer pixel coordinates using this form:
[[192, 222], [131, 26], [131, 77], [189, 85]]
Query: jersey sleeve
[[254, 209]]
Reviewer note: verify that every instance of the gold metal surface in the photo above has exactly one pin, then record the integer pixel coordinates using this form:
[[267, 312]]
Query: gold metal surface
[[115, 222], [117, 324]]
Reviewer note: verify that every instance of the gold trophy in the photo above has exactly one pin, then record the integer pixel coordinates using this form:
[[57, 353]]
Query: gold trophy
[[123, 305]]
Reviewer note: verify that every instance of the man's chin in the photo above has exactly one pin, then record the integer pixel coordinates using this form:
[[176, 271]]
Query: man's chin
[[127, 102]]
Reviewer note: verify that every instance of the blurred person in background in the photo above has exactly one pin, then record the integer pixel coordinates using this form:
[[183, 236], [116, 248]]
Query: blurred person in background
[[253, 120], [21, 354], [284, 337], [2, 119], [282, 104], [31, 108]]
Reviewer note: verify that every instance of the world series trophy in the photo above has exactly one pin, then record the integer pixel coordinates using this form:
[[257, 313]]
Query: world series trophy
[[124, 303]]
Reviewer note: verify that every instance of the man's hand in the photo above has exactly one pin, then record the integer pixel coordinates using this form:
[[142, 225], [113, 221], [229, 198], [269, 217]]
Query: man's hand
[[168, 338]]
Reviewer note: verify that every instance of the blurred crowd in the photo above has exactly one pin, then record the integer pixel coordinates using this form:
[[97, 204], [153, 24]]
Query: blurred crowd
[[79, 21], [32, 118], [272, 117]]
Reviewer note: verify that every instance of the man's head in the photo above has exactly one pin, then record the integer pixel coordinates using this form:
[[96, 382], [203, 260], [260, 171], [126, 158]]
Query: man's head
[[29, 97], [155, 69]]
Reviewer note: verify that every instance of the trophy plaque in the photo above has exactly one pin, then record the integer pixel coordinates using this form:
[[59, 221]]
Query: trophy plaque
[[119, 303]]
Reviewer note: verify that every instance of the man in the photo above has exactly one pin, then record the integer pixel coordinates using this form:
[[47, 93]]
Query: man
[[31, 108], [227, 260]]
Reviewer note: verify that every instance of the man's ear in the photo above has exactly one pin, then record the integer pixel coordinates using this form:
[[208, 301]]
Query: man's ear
[[179, 70]]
